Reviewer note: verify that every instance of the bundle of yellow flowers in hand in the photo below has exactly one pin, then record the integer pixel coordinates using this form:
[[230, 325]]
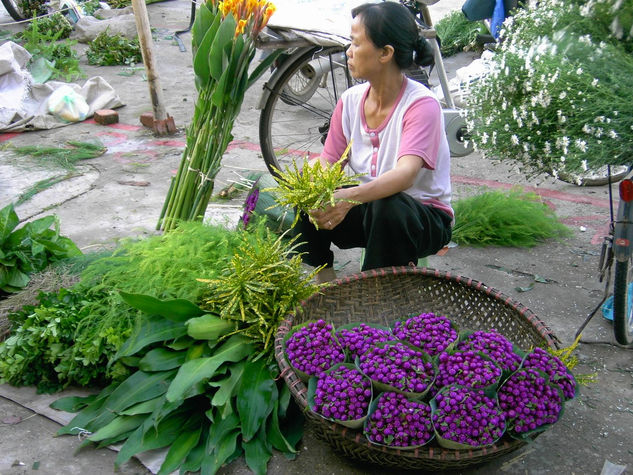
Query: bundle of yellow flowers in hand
[[312, 186]]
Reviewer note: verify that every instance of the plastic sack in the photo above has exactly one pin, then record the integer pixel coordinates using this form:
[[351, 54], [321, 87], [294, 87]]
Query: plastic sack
[[67, 104]]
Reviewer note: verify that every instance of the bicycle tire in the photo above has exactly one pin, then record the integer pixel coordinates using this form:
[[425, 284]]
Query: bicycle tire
[[292, 128], [14, 10], [622, 310]]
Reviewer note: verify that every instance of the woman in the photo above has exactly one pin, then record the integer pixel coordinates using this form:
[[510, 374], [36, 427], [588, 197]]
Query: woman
[[401, 210]]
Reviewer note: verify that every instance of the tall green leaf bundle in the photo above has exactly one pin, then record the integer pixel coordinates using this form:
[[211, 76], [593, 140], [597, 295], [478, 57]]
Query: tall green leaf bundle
[[223, 42], [514, 218]]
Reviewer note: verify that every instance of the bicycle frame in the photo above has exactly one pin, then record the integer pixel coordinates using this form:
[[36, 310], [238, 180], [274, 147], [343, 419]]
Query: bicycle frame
[[623, 229]]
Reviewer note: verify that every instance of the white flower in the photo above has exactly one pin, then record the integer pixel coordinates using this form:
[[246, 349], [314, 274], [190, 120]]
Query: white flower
[[484, 138], [562, 95], [581, 145], [506, 127], [514, 139], [599, 118], [594, 83], [584, 165], [586, 129], [548, 148], [613, 134], [579, 71]]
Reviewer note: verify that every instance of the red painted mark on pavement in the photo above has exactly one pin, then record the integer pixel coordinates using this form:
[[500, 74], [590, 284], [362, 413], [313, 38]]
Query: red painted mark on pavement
[[544, 192], [594, 221], [118, 125], [7, 136], [168, 143]]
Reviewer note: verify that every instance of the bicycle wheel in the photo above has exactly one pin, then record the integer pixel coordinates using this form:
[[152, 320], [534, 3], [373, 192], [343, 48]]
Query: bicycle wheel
[[16, 8], [622, 309], [296, 116]]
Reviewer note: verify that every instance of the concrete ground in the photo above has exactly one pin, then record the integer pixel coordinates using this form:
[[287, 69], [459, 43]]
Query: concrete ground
[[120, 194]]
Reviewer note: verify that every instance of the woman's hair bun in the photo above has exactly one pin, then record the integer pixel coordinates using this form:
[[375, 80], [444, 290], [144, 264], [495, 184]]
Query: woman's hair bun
[[423, 52]]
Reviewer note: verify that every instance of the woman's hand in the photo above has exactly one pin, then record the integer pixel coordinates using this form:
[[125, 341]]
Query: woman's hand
[[331, 216]]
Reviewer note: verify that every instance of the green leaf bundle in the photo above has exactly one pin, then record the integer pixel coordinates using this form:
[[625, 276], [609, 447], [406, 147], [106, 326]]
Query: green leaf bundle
[[310, 187], [515, 219]]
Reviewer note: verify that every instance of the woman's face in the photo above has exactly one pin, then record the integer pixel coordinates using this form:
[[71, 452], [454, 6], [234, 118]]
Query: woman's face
[[362, 54]]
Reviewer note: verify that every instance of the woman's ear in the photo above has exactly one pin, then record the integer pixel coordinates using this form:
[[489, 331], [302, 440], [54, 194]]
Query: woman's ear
[[386, 53]]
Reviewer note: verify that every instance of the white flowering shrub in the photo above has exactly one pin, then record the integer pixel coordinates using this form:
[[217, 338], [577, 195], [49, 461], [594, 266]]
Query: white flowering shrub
[[558, 95]]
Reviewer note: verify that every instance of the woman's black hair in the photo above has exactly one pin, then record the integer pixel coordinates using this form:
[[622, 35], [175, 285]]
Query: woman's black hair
[[391, 23]]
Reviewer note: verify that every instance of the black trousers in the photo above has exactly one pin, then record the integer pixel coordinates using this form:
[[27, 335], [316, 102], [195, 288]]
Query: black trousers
[[394, 231]]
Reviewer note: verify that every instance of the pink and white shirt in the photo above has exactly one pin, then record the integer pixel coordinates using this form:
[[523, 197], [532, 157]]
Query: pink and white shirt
[[415, 126]]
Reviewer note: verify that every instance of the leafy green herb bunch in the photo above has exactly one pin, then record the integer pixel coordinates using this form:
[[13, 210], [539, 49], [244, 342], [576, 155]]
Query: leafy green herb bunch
[[553, 99], [312, 186]]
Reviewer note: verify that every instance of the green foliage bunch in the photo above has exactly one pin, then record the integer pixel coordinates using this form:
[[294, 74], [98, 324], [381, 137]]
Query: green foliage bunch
[[457, 33], [110, 50], [259, 285], [98, 318], [42, 39], [312, 186], [55, 25], [208, 399], [30, 248], [514, 218], [552, 100]]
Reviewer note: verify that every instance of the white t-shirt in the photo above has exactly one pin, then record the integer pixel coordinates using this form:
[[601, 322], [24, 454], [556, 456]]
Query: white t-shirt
[[415, 126]]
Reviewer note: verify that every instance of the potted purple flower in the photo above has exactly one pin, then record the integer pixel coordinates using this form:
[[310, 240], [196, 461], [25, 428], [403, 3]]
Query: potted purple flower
[[466, 368], [432, 333], [396, 420], [530, 403], [466, 418], [554, 368], [341, 394], [357, 338], [398, 366], [312, 349], [495, 345]]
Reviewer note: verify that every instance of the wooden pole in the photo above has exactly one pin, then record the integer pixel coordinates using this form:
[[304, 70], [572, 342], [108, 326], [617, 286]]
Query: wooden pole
[[163, 123]]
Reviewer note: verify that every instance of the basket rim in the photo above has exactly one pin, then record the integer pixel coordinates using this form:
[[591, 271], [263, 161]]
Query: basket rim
[[299, 389]]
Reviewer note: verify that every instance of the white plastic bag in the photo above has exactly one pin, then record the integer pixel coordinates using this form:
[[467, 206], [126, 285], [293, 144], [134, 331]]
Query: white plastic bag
[[67, 105]]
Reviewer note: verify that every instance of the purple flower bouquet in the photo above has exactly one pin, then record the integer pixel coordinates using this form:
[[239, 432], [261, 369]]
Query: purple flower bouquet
[[466, 417], [432, 333], [554, 368], [312, 349], [398, 421], [341, 394], [468, 368], [398, 366], [530, 403], [495, 345], [357, 338]]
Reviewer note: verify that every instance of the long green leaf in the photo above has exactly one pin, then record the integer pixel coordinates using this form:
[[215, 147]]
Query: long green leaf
[[8, 222], [72, 403], [88, 413], [117, 426], [257, 454], [179, 450], [204, 20], [223, 451], [262, 67], [201, 58], [162, 359], [153, 328], [235, 349], [148, 437], [256, 397], [176, 310], [226, 387], [138, 387], [223, 38], [193, 462], [145, 407], [275, 436]]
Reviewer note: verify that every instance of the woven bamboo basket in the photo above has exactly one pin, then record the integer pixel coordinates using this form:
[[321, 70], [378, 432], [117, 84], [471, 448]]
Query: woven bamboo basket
[[383, 295]]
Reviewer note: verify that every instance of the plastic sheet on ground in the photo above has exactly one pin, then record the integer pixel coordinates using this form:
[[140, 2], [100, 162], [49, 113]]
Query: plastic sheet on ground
[[24, 104], [40, 404]]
